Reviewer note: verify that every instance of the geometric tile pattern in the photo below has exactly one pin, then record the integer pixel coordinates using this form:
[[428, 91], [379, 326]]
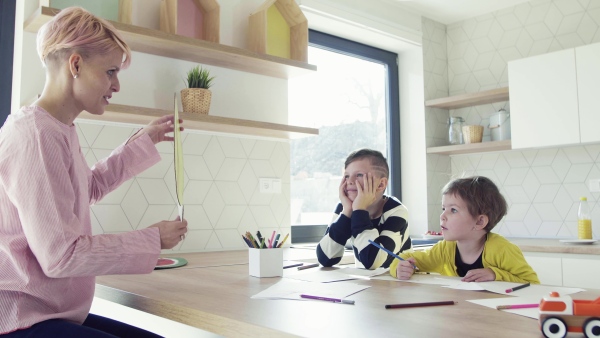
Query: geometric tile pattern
[[435, 77], [222, 199], [543, 186]]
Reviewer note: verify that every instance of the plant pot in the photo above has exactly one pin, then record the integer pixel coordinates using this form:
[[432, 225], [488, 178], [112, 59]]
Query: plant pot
[[196, 100]]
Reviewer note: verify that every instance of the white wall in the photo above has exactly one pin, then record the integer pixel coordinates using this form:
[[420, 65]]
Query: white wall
[[542, 186]]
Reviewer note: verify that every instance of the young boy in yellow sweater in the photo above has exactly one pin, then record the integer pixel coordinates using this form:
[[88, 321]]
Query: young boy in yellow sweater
[[471, 208]]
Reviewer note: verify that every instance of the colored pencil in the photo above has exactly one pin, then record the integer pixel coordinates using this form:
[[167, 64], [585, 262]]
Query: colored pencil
[[407, 305], [284, 239], [518, 287], [271, 241], [292, 265], [517, 306], [247, 242], [335, 300], [251, 238], [389, 252], [308, 266]]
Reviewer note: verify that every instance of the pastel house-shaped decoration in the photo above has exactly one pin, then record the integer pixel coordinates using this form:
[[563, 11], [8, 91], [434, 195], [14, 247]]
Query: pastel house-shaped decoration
[[114, 10], [192, 18], [279, 28]]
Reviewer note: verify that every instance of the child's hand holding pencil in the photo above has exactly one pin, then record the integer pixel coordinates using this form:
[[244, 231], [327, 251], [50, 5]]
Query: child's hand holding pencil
[[405, 268]]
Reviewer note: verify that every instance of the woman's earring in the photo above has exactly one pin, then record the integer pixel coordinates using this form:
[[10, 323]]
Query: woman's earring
[[75, 76]]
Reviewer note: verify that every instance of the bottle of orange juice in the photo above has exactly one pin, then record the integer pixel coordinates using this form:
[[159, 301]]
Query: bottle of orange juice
[[584, 224]]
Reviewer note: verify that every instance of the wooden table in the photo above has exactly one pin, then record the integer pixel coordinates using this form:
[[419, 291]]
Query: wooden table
[[216, 298]]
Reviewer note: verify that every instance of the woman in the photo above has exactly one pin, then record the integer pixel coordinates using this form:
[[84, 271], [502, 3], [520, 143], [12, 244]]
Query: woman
[[48, 256]]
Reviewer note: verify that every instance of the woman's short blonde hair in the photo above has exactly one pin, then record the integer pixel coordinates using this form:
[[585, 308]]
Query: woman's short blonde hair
[[76, 30]]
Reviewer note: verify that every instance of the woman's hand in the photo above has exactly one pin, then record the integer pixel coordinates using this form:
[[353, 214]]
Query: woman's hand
[[158, 129], [405, 268], [171, 232], [479, 275]]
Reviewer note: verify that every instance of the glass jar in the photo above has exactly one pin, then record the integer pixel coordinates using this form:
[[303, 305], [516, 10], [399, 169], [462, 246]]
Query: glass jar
[[455, 135]]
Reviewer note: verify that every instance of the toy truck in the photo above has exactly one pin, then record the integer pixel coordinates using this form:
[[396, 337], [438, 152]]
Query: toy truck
[[562, 314]]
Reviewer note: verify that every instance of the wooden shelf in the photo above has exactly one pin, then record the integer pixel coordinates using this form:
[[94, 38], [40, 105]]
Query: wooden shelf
[[471, 148], [141, 115], [472, 99], [180, 47]]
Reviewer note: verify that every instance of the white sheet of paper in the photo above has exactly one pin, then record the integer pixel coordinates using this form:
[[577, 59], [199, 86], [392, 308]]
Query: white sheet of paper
[[292, 289], [433, 279], [465, 286], [362, 272], [317, 275], [533, 290], [493, 302]]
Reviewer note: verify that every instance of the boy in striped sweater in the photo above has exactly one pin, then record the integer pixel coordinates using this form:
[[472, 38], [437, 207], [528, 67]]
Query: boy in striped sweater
[[365, 213]]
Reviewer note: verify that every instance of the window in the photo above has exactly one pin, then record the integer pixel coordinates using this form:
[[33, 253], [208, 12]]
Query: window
[[353, 100]]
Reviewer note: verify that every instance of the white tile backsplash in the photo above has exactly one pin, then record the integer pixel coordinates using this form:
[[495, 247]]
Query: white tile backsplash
[[231, 217], [221, 187], [231, 193], [196, 217], [195, 144], [231, 169], [546, 193], [232, 147], [134, 204], [112, 218]]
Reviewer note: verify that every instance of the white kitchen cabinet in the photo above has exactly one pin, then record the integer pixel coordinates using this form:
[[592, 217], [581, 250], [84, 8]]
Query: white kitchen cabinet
[[569, 270], [543, 100], [547, 267], [582, 271], [588, 84]]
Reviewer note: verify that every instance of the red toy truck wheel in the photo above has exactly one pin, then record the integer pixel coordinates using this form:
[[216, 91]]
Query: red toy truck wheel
[[554, 327], [591, 328]]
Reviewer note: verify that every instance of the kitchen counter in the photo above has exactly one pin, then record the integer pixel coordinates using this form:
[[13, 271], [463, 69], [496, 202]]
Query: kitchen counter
[[554, 246]]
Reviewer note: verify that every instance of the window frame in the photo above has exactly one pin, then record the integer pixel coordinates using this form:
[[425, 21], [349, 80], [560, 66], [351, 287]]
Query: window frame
[[390, 61]]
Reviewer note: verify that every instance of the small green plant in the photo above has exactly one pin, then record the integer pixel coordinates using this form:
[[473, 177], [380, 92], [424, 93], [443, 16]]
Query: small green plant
[[199, 77]]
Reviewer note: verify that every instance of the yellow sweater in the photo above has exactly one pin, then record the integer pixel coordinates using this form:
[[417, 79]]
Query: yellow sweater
[[500, 255]]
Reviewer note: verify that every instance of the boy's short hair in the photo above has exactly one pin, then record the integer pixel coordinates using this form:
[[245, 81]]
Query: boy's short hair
[[482, 197], [378, 161]]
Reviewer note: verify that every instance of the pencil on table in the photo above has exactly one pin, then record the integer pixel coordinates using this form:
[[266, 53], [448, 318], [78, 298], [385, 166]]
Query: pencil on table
[[308, 266], [407, 305], [517, 306], [517, 287]]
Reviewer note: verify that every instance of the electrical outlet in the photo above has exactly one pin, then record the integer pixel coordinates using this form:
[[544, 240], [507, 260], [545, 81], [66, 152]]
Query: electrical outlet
[[269, 185], [594, 185], [265, 185]]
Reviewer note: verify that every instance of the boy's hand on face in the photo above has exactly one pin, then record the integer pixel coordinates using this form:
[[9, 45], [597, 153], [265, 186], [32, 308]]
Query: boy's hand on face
[[405, 269], [367, 193], [346, 202], [479, 275]]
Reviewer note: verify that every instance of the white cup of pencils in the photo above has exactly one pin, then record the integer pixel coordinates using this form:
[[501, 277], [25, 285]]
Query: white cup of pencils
[[265, 255]]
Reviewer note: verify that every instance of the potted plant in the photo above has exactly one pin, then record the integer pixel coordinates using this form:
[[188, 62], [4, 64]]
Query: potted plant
[[196, 97]]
